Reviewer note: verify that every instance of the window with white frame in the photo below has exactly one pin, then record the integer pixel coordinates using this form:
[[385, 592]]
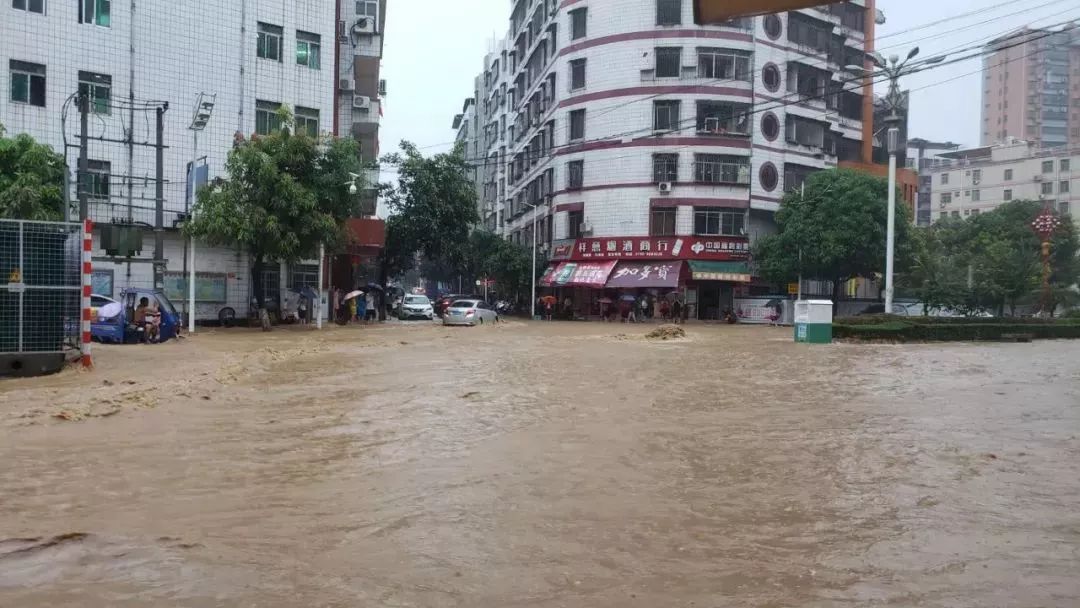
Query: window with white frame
[[723, 64], [1065, 162], [722, 169], [944, 178], [95, 181], [1048, 166], [946, 198], [98, 90], [1008, 175], [367, 8], [267, 119], [30, 6], [665, 167], [666, 115], [307, 121], [95, 12], [1007, 195], [27, 82], [309, 49], [575, 174], [269, 42], [723, 117], [719, 221], [1063, 186], [976, 196], [1047, 188]]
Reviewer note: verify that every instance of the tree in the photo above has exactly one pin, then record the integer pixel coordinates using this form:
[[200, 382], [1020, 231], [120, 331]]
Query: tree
[[835, 231], [285, 195], [433, 207], [31, 179], [991, 261], [493, 257]]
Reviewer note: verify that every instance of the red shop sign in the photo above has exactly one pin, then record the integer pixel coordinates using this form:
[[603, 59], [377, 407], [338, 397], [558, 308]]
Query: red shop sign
[[661, 247]]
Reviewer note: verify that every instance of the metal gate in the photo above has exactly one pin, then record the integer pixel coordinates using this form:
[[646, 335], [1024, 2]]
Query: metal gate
[[41, 301]]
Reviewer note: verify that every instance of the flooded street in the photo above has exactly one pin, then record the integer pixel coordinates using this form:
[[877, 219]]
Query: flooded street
[[544, 465]]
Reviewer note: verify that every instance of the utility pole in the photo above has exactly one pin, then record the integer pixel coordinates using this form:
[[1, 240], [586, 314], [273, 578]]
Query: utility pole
[[159, 196], [204, 108], [84, 157]]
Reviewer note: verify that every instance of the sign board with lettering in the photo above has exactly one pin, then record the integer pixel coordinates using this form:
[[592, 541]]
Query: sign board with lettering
[[655, 248]]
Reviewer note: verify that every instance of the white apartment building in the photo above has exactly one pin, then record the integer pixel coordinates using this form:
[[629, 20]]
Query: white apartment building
[[626, 128], [969, 182], [247, 57]]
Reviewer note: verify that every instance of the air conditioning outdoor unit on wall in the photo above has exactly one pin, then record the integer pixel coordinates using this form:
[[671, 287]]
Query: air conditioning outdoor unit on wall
[[359, 102], [346, 84], [586, 228], [664, 187], [363, 25]]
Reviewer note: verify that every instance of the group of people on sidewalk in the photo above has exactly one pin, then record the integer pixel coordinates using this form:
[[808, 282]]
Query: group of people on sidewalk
[[645, 309]]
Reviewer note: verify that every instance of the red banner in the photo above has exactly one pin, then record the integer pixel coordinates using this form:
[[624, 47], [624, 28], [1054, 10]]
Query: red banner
[[654, 248]]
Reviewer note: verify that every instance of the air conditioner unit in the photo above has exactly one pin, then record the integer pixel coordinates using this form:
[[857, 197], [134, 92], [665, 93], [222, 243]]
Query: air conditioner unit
[[664, 187], [346, 84], [586, 228], [359, 102], [363, 25], [942, 204]]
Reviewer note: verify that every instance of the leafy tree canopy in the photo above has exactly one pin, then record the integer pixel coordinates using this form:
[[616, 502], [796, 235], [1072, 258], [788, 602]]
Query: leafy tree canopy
[[31, 179]]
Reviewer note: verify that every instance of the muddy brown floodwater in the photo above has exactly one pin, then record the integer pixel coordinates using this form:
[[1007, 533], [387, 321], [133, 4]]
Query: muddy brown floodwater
[[544, 465]]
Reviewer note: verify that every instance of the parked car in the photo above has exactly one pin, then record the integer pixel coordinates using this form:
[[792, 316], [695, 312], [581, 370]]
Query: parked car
[[413, 307], [470, 312], [444, 302]]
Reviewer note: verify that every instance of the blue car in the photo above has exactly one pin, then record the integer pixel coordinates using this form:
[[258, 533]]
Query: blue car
[[120, 328]]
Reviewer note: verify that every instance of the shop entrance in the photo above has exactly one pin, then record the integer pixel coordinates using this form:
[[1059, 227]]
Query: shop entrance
[[713, 299]]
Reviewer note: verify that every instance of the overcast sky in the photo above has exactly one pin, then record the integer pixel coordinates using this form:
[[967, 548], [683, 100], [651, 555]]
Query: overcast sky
[[427, 81]]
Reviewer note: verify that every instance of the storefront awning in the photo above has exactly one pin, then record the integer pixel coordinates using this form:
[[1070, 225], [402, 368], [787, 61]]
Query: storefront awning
[[577, 274], [738, 272], [629, 275]]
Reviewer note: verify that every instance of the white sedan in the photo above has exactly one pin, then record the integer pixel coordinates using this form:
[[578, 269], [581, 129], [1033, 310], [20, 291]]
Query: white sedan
[[470, 312], [412, 307]]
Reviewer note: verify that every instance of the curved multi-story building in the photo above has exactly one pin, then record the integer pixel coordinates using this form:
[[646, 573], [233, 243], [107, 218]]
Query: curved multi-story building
[[634, 135]]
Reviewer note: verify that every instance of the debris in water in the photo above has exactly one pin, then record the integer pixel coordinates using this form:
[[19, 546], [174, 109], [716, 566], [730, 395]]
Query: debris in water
[[666, 332]]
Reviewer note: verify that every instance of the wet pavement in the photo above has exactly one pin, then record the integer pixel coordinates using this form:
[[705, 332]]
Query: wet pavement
[[544, 465]]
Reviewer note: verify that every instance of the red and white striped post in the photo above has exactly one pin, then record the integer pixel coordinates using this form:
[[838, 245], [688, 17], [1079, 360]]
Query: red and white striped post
[[87, 270]]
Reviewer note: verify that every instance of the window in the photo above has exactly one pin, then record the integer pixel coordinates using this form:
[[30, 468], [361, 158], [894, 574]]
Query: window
[[577, 124], [96, 181], [307, 121], [98, 89], [770, 76], [723, 64], [806, 132], [975, 212], [956, 213], [668, 62], [946, 198], [721, 118], [662, 222], [33, 6], [1063, 186], [577, 23], [367, 8], [308, 49], [975, 196], [1007, 195], [303, 275], [944, 178], [577, 74], [666, 115], [95, 12], [1048, 187], [1063, 207], [269, 42], [575, 220], [711, 221], [1008, 174], [266, 117], [976, 176], [1065, 164], [1048, 166], [27, 82], [721, 169], [575, 174], [668, 12], [665, 167]]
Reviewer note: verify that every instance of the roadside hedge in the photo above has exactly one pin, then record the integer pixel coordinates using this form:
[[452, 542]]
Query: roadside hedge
[[920, 320], [907, 331]]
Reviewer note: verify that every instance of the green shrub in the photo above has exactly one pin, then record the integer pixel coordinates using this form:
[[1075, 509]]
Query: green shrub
[[920, 320], [905, 331]]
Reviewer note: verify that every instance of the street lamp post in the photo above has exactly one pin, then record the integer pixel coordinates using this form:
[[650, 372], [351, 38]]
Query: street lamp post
[[204, 108], [1045, 225], [894, 68], [532, 302]]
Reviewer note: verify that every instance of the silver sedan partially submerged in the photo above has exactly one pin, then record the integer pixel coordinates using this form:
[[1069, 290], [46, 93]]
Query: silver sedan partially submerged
[[470, 312]]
